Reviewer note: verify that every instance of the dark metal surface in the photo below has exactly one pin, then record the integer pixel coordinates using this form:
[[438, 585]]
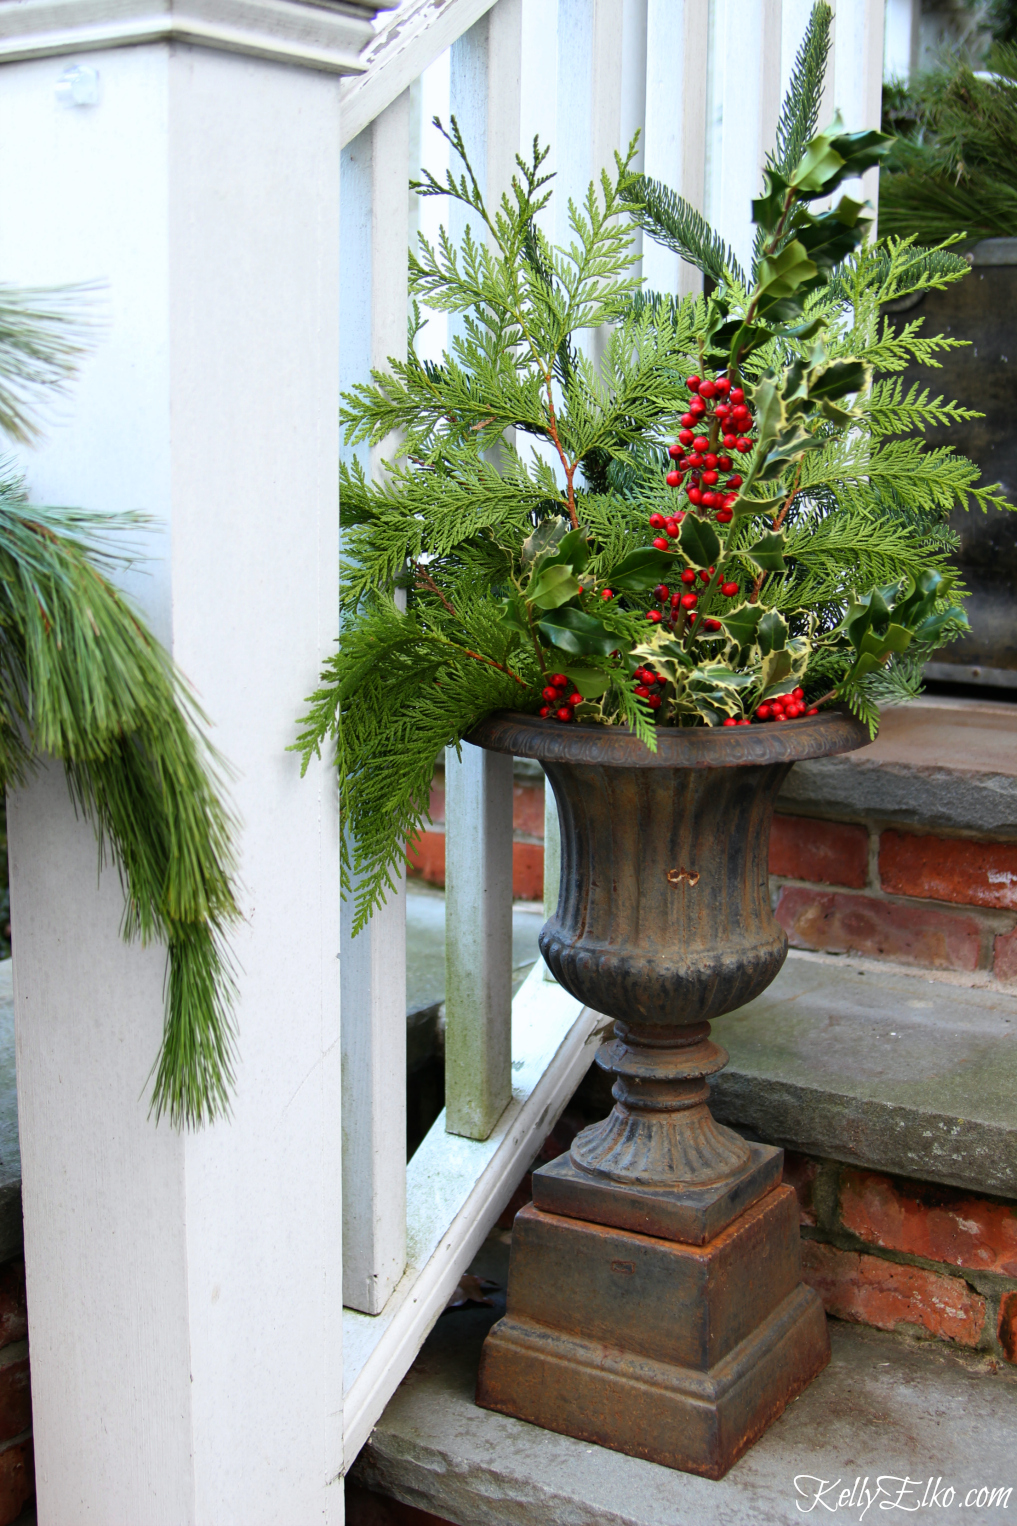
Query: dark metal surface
[[680, 1354], [981, 310]]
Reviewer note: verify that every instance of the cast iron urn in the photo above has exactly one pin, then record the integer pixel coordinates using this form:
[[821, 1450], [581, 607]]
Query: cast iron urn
[[655, 1300]]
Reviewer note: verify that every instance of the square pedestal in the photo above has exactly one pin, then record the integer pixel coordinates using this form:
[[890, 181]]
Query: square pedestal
[[682, 1354], [693, 1214]]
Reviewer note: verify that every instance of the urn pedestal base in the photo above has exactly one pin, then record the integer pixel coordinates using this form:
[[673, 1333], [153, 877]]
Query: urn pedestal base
[[682, 1354]]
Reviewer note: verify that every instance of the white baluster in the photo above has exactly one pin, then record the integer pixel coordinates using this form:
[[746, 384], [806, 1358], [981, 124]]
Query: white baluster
[[375, 216], [746, 74], [676, 80], [478, 939], [858, 78]]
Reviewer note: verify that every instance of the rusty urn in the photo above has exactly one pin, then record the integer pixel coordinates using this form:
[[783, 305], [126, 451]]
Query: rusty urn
[[655, 1300]]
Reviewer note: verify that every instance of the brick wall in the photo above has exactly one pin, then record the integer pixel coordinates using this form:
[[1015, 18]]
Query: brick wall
[[943, 903], [17, 1469], [912, 1257]]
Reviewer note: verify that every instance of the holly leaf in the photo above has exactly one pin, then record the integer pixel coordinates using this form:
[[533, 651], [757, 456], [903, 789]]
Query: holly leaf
[[589, 682], [768, 553], [555, 586], [578, 633], [771, 632], [546, 537], [513, 615], [740, 624], [775, 666], [573, 550], [699, 541], [642, 570]]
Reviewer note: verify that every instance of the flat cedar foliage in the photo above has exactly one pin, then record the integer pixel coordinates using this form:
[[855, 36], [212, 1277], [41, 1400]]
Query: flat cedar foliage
[[526, 530], [84, 681]]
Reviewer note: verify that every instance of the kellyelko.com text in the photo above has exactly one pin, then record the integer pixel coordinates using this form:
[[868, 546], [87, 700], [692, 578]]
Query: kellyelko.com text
[[890, 1492]]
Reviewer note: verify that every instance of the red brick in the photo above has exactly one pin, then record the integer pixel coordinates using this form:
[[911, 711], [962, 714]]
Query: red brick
[[1006, 1329], [1004, 956], [861, 924], [425, 859], [15, 1393], [939, 1223], [870, 1291], [17, 1479], [528, 809], [832, 852], [949, 869], [800, 1173], [13, 1309], [436, 803]]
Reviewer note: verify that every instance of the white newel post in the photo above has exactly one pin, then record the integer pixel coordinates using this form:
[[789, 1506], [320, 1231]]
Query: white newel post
[[184, 1289]]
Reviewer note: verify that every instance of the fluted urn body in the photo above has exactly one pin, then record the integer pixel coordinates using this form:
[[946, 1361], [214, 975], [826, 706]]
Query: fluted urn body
[[663, 919]]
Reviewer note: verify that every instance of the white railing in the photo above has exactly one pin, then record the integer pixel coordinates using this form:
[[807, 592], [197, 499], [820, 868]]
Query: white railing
[[702, 81]]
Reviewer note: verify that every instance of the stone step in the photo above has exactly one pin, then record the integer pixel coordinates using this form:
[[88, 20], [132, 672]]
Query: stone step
[[887, 1410], [860, 1062]]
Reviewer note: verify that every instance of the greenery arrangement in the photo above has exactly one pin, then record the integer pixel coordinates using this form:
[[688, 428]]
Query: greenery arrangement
[[704, 517], [950, 170], [83, 680]]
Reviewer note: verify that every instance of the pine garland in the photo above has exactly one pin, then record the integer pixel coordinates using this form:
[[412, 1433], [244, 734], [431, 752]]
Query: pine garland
[[83, 680], [547, 562]]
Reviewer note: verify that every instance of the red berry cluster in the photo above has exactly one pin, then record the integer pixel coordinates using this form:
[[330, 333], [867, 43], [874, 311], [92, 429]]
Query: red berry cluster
[[558, 702], [785, 707], [645, 679], [718, 420], [684, 600]]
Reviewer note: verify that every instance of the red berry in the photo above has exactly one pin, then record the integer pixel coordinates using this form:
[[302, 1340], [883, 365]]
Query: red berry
[[711, 500], [740, 412], [711, 625], [701, 443], [692, 382], [813, 711], [549, 693], [688, 420], [689, 600], [559, 680], [725, 516], [798, 694], [706, 389], [695, 460], [730, 590], [674, 451], [735, 480], [724, 462], [658, 678], [722, 411], [672, 528], [695, 496], [674, 479], [576, 698], [763, 712], [662, 592], [564, 714], [654, 615], [722, 384], [729, 721], [743, 446], [736, 395], [705, 576], [711, 461], [730, 499], [688, 576], [654, 701], [545, 711], [696, 408], [661, 542], [656, 521], [686, 436], [678, 517], [709, 478], [730, 440], [745, 722], [607, 593]]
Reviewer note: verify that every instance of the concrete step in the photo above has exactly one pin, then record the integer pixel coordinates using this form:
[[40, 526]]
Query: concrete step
[[888, 1415]]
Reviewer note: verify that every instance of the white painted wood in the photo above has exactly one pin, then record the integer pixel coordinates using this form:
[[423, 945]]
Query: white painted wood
[[538, 105], [747, 82], [310, 36], [185, 1289], [504, 95], [676, 95], [858, 78], [458, 1187], [900, 45], [418, 33], [373, 965], [478, 939]]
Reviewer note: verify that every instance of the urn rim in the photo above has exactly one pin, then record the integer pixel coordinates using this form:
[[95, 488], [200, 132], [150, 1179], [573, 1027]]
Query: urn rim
[[549, 741]]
